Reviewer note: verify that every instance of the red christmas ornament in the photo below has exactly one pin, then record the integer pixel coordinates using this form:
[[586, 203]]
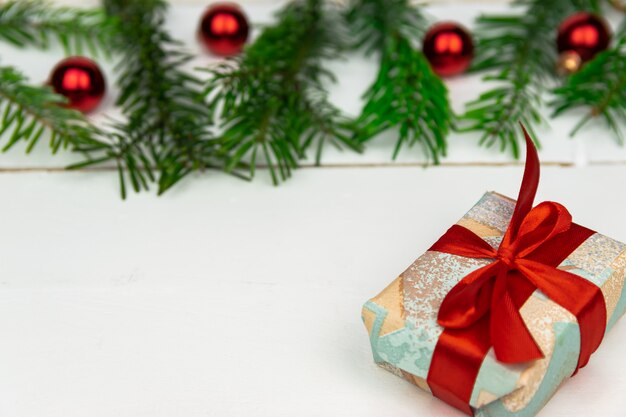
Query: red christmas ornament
[[81, 81], [224, 29], [583, 33], [449, 48]]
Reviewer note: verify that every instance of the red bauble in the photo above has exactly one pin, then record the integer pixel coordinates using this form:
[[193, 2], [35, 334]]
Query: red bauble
[[449, 48], [583, 33], [224, 29], [81, 81]]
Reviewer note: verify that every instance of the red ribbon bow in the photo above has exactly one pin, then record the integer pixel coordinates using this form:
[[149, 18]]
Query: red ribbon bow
[[482, 310]]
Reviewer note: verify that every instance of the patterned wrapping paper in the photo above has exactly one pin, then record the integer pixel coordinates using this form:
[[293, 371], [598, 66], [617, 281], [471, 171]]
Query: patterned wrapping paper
[[402, 319]]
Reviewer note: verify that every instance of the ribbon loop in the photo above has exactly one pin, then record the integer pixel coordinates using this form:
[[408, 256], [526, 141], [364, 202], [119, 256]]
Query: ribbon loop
[[467, 303], [512, 342], [543, 222]]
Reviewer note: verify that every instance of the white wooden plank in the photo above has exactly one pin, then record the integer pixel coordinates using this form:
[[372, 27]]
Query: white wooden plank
[[231, 299]]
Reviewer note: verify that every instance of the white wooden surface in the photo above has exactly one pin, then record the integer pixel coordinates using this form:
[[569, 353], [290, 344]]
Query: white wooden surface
[[231, 299]]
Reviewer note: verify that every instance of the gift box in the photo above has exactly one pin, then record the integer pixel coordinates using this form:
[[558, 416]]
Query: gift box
[[507, 305]]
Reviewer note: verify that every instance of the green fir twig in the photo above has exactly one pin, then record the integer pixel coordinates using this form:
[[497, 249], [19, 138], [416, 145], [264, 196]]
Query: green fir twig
[[166, 136], [34, 23], [599, 87], [407, 94], [519, 52], [28, 112], [272, 100]]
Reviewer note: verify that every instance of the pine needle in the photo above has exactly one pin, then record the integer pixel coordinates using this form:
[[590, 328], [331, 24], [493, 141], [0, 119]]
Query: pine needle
[[599, 87], [519, 51], [166, 136], [272, 100], [34, 22], [407, 95], [27, 112]]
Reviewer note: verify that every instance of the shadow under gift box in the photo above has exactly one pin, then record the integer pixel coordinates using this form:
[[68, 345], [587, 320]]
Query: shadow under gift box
[[403, 328]]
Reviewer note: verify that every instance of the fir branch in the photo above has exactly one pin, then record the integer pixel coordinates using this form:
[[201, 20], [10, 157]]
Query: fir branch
[[28, 111], [375, 22], [272, 100], [600, 87], [34, 22], [520, 50], [407, 94], [166, 135]]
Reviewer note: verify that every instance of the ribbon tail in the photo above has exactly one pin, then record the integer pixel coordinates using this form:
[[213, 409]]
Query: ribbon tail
[[456, 362], [511, 339]]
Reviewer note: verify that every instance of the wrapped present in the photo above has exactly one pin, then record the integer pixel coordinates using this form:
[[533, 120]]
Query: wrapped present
[[509, 303]]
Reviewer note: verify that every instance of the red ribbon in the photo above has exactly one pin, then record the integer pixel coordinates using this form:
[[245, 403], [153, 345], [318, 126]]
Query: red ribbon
[[482, 310]]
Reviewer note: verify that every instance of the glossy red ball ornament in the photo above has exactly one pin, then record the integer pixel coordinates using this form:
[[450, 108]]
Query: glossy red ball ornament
[[583, 33], [80, 80], [224, 29], [449, 48]]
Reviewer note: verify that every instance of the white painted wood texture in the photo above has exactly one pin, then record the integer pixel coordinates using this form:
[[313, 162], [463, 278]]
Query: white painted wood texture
[[234, 300], [230, 299]]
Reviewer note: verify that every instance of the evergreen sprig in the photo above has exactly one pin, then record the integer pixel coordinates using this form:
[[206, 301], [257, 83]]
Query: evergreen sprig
[[600, 87], [272, 100], [28, 111], [407, 94], [520, 53], [166, 136], [34, 23]]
